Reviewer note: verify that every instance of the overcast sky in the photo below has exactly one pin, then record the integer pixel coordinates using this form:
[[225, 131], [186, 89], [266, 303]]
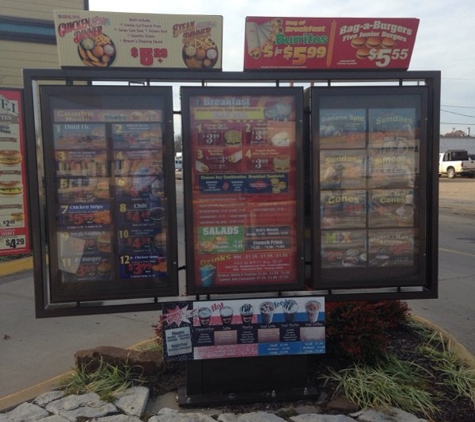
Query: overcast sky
[[444, 41]]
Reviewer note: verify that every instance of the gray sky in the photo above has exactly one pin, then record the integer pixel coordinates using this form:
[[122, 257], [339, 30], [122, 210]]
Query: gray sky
[[444, 41]]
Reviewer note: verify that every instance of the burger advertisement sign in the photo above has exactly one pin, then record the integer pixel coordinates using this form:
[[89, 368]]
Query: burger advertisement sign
[[14, 238], [329, 43], [125, 40]]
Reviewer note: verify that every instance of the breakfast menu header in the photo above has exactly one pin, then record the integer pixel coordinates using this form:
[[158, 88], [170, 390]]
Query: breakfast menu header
[[244, 189], [329, 43], [14, 231]]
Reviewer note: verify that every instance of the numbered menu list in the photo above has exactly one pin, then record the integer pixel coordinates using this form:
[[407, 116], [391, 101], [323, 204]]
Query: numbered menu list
[[112, 221], [244, 190]]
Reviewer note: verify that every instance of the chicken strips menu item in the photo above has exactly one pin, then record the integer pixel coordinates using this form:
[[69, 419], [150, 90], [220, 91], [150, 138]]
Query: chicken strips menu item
[[368, 206], [108, 192], [244, 192], [243, 328], [14, 225]]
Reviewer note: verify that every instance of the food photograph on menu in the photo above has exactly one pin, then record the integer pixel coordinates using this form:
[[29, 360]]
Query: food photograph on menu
[[244, 187], [342, 128], [109, 192]]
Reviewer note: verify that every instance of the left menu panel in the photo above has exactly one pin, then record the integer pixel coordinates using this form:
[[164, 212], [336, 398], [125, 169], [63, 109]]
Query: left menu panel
[[110, 192]]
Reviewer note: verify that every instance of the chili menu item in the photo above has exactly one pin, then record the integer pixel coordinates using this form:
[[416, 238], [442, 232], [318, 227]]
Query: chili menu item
[[244, 190], [108, 187]]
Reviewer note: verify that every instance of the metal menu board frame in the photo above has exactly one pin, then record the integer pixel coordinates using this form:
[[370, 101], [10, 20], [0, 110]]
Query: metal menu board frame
[[110, 206], [243, 189], [371, 201]]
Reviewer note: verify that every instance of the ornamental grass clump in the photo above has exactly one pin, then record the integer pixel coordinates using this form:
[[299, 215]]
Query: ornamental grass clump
[[455, 376], [106, 380], [389, 383]]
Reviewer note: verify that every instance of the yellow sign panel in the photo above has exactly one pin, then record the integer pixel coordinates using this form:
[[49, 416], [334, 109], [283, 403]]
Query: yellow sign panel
[[129, 40]]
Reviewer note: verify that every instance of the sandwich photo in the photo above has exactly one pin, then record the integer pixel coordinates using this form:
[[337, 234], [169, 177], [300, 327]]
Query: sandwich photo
[[10, 157], [11, 187]]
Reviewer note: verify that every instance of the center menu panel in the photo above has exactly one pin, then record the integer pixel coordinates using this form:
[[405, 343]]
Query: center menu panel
[[110, 203], [243, 173]]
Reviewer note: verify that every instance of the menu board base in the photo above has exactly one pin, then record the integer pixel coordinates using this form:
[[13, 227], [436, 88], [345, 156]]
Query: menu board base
[[241, 380]]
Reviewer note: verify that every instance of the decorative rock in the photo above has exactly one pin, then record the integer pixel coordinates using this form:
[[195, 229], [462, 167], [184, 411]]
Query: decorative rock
[[312, 417], [259, 417], [150, 361], [54, 418], [342, 404], [118, 418], [133, 401], [75, 406], [25, 412], [181, 417], [227, 417], [48, 397], [390, 415]]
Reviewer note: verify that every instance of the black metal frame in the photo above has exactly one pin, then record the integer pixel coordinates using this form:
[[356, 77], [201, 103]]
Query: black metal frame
[[432, 79]]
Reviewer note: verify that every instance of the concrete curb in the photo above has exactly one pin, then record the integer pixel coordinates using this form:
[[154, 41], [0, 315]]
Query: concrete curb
[[16, 266]]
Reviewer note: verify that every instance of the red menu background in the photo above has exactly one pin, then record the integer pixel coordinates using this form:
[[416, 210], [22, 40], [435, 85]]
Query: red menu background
[[244, 190], [329, 43]]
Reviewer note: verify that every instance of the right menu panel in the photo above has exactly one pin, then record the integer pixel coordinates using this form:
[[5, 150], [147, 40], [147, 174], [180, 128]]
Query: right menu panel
[[369, 201]]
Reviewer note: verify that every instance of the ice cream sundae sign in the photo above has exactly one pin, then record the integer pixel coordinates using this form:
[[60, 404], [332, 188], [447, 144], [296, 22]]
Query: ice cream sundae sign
[[243, 328]]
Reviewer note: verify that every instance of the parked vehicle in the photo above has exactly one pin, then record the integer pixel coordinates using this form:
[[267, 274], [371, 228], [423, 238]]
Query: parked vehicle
[[456, 162]]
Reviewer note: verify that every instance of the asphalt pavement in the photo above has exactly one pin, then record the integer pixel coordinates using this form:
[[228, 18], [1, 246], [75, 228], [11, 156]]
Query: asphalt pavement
[[34, 352]]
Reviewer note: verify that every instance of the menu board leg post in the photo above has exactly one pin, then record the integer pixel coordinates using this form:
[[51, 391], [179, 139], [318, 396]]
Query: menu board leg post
[[240, 380]]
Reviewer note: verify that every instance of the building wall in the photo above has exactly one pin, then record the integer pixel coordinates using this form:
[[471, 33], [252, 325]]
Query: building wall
[[27, 38]]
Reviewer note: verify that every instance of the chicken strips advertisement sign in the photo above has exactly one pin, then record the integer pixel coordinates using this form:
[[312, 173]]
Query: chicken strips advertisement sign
[[329, 43], [125, 40]]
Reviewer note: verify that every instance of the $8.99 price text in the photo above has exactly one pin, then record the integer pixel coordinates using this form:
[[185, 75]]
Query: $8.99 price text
[[147, 55]]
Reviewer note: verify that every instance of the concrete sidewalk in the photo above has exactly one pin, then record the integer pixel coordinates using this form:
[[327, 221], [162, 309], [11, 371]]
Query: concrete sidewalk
[[34, 350]]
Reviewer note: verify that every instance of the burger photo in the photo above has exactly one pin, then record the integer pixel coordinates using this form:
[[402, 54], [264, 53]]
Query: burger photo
[[10, 157], [358, 42], [373, 42], [11, 188], [362, 53]]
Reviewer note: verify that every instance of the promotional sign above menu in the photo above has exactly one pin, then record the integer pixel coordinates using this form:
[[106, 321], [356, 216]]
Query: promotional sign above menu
[[243, 328], [130, 40], [14, 231], [329, 43], [244, 225]]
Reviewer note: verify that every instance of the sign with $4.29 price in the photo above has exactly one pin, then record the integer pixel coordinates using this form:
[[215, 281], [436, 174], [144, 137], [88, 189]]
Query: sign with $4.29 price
[[329, 43]]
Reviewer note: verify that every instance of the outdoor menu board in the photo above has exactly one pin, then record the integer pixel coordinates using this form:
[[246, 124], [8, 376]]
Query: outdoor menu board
[[243, 188], [101, 40], [110, 208], [14, 225], [329, 43], [370, 203], [243, 328]]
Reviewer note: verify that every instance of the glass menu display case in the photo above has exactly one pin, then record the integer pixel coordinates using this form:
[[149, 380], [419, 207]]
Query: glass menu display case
[[369, 203], [110, 206], [243, 188]]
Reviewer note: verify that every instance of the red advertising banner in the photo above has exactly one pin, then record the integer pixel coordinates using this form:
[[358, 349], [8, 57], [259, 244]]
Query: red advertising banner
[[244, 188], [329, 43], [14, 232]]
